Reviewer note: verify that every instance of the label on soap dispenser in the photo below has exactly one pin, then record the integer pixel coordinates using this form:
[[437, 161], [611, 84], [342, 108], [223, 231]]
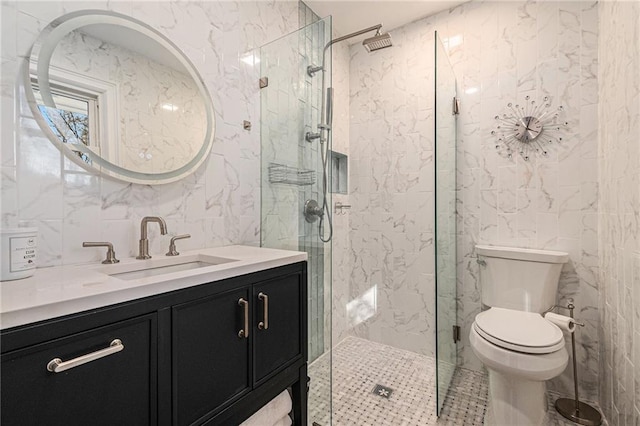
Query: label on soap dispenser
[[23, 253]]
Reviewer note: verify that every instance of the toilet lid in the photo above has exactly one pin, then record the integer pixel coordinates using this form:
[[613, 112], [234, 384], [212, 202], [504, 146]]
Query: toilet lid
[[521, 331]]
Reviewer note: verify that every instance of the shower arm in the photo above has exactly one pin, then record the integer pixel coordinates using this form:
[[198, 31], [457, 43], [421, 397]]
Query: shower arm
[[354, 34], [324, 124], [312, 70]]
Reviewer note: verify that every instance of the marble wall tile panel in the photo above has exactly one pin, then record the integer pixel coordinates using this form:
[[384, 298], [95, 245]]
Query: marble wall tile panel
[[544, 203], [617, 267], [391, 192]]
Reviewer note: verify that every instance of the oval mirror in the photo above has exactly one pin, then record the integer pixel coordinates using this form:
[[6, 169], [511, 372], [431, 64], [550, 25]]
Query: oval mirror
[[117, 96]]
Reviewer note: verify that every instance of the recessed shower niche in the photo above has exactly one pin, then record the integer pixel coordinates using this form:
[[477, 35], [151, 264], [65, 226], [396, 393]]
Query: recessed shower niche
[[339, 173]]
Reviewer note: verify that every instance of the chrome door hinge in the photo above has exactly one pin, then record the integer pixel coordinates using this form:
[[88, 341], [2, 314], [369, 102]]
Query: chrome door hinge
[[456, 333], [456, 106]]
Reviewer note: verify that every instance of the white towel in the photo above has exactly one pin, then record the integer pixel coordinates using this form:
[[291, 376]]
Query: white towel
[[275, 411], [285, 421]]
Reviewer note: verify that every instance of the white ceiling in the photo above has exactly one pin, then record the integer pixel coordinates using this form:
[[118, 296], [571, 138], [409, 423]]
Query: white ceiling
[[352, 15]]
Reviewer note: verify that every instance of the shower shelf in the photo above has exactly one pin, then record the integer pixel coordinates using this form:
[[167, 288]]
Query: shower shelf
[[279, 173]]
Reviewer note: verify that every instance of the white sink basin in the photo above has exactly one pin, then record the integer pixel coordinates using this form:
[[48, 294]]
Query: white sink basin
[[161, 266]]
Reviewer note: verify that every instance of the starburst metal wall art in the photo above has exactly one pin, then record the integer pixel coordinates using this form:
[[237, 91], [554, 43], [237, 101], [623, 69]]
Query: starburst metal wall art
[[529, 129]]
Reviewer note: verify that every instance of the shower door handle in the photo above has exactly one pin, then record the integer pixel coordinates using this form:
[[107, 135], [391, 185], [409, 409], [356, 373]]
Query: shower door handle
[[264, 324]]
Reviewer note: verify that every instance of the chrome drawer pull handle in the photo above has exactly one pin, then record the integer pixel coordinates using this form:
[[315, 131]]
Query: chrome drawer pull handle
[[245, 331], [56, 365], [264, 324]]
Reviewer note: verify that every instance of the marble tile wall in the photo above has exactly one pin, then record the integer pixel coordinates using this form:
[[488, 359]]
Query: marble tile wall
[[217, 205], [391, 285], [509, 51], [501, 52], [619, 207]]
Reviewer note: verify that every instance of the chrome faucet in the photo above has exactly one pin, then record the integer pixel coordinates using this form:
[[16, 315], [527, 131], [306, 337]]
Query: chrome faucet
[[144, 241]]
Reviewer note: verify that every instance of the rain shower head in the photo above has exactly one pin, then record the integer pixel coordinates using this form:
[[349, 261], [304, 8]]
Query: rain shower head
[[377, 42]]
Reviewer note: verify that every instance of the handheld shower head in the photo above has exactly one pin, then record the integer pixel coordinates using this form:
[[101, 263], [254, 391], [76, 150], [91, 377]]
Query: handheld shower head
[[377, 42]]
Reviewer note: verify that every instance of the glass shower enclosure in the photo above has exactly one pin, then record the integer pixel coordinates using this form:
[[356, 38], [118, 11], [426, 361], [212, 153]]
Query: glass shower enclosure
[[445, 227], [292, 174]]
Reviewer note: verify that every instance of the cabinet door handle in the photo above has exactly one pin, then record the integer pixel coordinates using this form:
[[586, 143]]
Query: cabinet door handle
[[56, 365], [245, 331], [264, 324]]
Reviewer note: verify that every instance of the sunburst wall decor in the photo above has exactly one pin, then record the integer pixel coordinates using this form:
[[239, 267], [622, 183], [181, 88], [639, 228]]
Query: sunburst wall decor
[[529, 129]]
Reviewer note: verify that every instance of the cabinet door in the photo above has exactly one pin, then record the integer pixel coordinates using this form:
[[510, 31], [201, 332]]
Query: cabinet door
[[281, 341], [118, 388], [209, 358]]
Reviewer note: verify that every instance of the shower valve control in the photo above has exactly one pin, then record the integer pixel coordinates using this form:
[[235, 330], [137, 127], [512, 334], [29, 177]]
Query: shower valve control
[[312, 211]]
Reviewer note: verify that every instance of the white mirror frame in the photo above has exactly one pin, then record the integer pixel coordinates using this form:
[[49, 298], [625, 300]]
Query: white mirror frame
[[43, 50]]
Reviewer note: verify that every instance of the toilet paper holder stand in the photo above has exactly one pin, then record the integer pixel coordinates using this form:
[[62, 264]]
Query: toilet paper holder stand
[[570, 307], [573, 409]]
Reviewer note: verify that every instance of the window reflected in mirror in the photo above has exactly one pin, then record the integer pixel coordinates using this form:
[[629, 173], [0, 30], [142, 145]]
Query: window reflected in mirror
[[74, 118]]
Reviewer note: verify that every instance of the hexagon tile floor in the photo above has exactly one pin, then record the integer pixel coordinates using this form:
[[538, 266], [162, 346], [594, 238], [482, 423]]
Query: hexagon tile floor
[[407, 396]]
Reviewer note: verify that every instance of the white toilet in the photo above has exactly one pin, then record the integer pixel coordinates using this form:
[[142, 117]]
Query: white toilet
[[518, 346]]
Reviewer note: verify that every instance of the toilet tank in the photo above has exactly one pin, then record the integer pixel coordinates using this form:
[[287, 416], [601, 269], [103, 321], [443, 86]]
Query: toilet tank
[[520, 279]]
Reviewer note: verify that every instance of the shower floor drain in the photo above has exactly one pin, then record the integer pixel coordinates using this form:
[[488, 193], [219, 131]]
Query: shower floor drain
[[383, 391]]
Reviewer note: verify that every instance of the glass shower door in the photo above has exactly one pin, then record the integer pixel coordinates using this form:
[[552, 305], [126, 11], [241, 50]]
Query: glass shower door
[[292, 174], [445, 235]]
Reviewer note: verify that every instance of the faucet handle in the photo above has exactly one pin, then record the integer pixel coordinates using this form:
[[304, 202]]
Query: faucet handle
[[111, 254], [172, 244]]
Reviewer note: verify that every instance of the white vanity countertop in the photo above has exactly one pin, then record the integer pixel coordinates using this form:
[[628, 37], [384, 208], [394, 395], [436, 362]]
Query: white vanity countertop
[[63, 290]]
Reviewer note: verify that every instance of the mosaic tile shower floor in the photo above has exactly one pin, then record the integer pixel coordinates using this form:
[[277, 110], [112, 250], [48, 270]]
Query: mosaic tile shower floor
[[359, 365]]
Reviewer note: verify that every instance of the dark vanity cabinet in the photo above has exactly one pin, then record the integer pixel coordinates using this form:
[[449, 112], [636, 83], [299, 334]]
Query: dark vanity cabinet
[[209, 358], [278, 342], [209, 354], [118, 388]]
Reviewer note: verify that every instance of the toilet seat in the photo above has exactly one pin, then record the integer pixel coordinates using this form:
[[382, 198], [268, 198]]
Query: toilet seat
[[526, 332]]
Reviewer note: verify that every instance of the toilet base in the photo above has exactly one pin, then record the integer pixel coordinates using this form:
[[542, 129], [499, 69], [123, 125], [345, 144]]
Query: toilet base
[[513, 401]]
